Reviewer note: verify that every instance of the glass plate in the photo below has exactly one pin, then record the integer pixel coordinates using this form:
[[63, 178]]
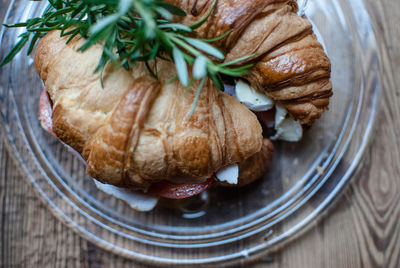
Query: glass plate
[[233, 224]]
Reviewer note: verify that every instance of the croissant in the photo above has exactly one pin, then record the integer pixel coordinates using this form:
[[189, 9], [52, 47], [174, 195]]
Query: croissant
[[136, 131], [290, 65]]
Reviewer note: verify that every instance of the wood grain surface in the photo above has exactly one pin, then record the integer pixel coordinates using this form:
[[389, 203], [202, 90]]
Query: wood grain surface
[[362, 230]]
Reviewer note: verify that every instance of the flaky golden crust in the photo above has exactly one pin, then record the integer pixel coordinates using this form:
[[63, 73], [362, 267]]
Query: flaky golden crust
[[290, 64], [255, 166], [136, 129]]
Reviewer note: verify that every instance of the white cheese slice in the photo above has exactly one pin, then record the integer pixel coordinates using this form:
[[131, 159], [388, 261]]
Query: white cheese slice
[[251, 98], [229, 174], [287, 128], [280, 114], [135, 200]]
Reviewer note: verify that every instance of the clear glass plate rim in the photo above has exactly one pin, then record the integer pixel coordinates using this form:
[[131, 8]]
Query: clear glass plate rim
[[82, 232]]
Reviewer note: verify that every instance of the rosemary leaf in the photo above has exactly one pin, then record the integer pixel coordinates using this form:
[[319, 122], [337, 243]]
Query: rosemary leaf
[[181, 67], [124, 6], [171, 8], [106, 22], [217, 38], [203, 20], [16, 25], [200, 67], [205, 47], [35, 37], [242, 59], [216, 78], [176, 27], [17, 48], [164, 13], [196, 98]]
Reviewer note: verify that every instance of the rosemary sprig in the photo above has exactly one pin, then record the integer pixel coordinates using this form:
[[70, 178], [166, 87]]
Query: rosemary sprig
[[132, 31]]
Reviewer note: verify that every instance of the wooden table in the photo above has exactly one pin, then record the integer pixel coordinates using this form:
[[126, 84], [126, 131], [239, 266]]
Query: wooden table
[[362, 230]]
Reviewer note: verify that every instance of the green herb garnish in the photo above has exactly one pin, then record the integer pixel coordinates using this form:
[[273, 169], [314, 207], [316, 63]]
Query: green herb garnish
[[132, 31]]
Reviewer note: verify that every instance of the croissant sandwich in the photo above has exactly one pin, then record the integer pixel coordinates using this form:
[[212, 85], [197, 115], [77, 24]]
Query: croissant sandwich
[[135, 132]]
